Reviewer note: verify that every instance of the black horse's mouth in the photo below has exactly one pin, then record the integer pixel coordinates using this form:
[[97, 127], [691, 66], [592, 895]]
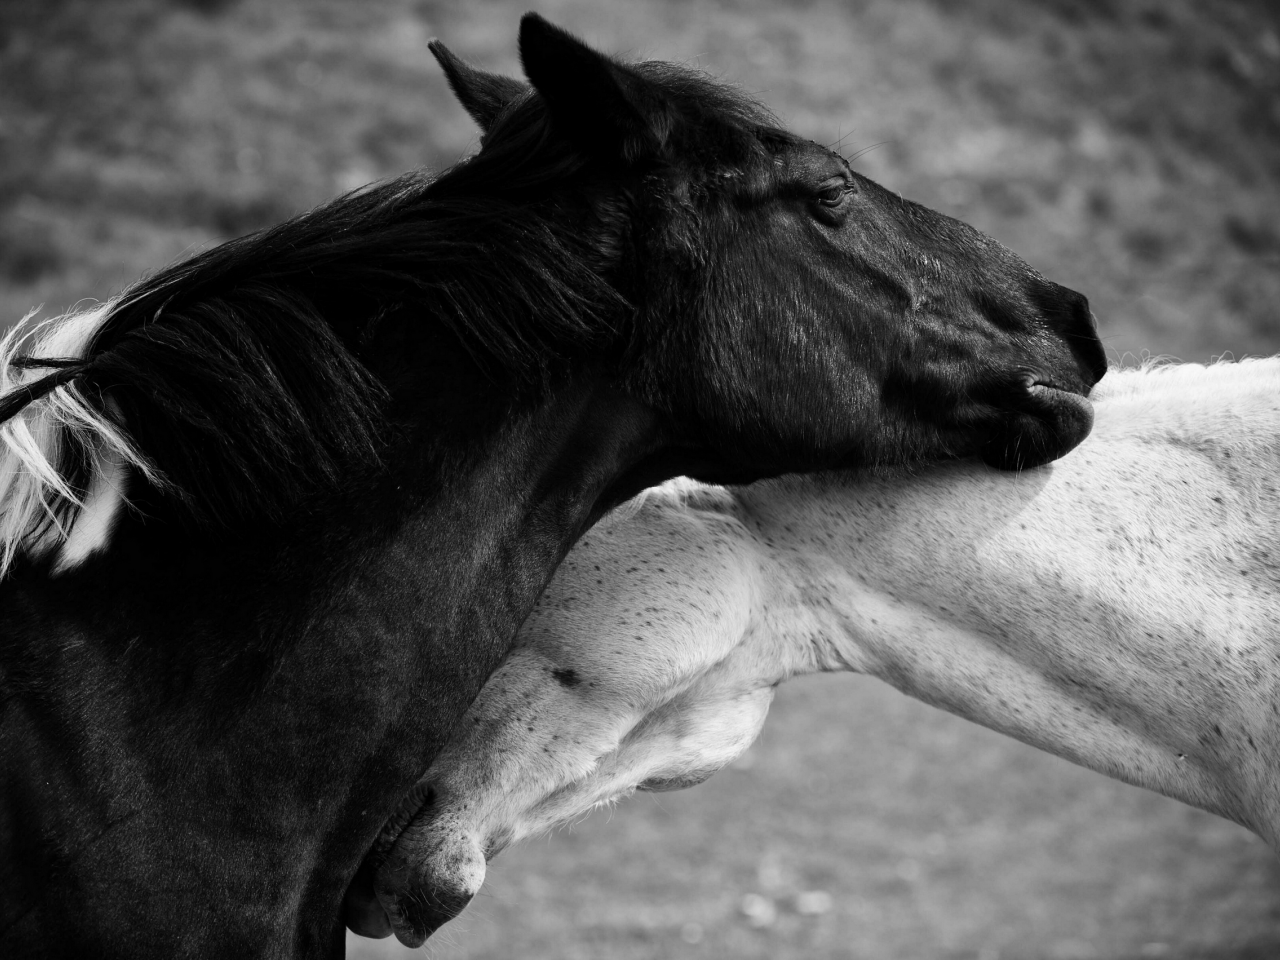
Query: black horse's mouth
[[1039, 423]]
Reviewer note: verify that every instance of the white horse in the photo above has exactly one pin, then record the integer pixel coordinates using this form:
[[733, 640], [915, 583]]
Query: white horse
[[1119, 608]]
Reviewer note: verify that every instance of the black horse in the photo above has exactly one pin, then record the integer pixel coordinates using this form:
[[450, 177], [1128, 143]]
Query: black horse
[[272, 517]]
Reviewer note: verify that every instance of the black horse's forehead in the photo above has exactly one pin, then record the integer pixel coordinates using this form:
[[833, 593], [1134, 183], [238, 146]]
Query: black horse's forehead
[[786, 161], [807, 159]]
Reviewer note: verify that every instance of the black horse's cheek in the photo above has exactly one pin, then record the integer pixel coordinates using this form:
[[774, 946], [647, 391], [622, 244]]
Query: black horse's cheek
[[1049, 424]]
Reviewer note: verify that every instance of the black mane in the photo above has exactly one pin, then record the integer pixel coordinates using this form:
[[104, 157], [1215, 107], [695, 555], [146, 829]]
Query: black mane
[[234, 377]]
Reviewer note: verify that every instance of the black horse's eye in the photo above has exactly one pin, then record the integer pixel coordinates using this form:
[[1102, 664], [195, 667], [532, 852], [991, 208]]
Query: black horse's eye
[[832, 194], [829, 198]]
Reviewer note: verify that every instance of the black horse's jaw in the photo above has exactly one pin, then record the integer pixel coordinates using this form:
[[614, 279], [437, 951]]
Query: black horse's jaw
[[1042, 425]]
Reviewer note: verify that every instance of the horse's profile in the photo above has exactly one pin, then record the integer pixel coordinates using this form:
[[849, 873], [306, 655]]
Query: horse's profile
[[1119, 608], [269, 519]]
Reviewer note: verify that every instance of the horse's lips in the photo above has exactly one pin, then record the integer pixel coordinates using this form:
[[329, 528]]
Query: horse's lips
[[1067, 403], [374, 904], [1045, 423], [361, 911]]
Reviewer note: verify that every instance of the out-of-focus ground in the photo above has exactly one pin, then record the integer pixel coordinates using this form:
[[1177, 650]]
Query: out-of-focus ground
[[1127, 148]]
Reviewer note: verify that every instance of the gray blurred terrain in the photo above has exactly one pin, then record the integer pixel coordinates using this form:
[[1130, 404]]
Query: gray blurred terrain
[[1127, 148]]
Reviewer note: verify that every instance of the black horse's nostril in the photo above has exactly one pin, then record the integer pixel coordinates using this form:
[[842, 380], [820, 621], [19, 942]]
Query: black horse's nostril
[[1068, 313]]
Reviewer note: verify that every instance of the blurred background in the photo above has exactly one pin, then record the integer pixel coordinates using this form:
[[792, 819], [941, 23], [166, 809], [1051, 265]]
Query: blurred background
[[1127, 148]]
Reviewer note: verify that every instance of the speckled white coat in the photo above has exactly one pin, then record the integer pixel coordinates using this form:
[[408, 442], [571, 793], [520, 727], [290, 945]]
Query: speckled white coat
[[1120, 608]]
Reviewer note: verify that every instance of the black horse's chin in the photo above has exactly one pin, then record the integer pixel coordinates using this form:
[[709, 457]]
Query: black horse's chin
[[1042, 425]]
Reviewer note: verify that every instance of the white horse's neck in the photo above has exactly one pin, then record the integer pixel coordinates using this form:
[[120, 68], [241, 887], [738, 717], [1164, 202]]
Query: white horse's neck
[[1118, 608]]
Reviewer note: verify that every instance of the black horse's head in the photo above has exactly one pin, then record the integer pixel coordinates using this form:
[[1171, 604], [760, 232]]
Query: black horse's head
[[782, 303], [778, 311], [356, 445]]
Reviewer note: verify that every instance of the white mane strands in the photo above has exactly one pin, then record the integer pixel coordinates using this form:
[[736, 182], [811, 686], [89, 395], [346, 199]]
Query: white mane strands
[[37, 505]]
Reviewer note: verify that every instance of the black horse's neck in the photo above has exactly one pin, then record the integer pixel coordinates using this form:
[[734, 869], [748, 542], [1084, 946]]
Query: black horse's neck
[[242, 672]]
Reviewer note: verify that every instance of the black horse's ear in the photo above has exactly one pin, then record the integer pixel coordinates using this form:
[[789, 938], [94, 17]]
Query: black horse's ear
[[483, 95], [599, 104]]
